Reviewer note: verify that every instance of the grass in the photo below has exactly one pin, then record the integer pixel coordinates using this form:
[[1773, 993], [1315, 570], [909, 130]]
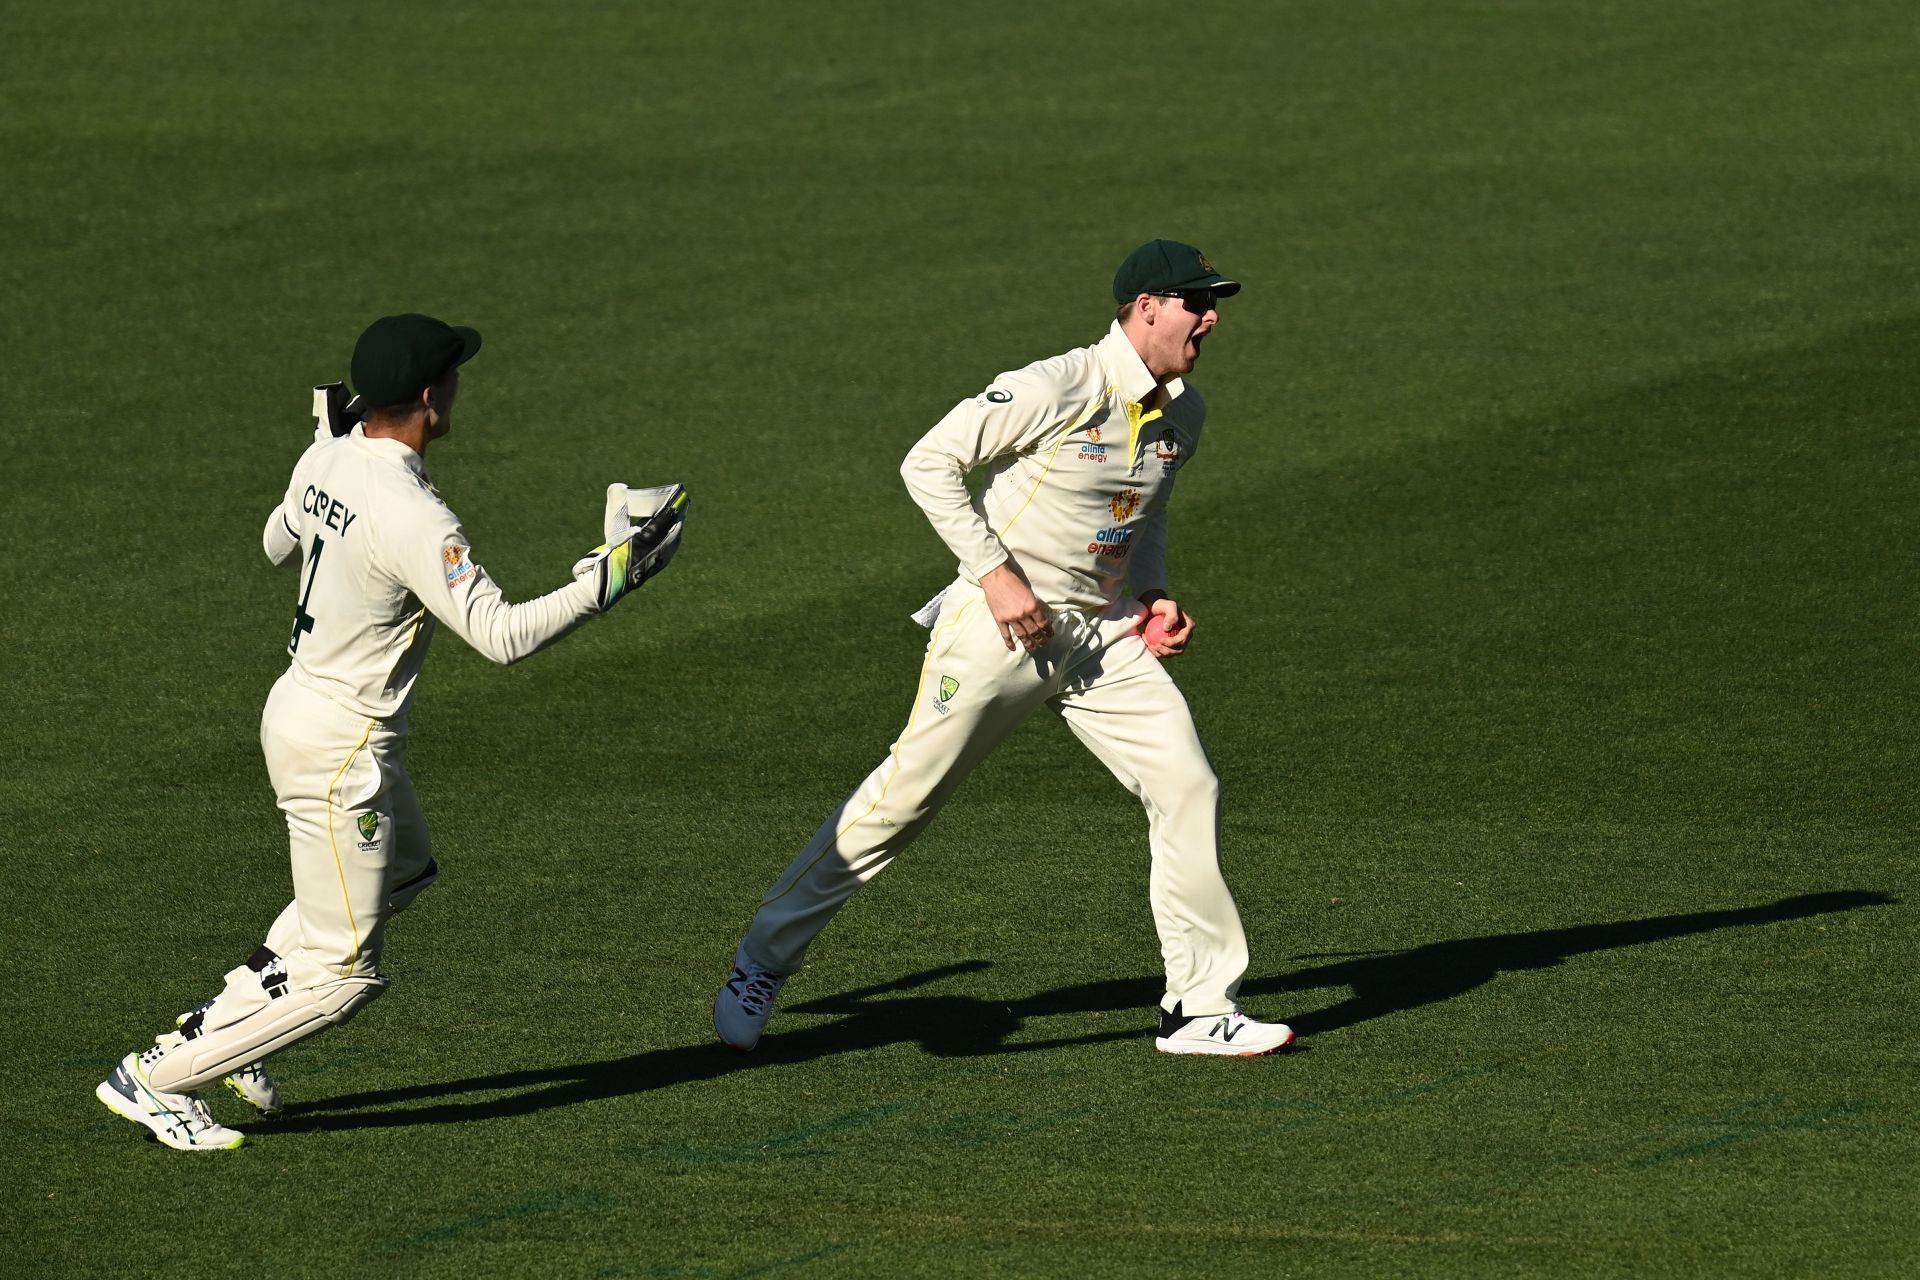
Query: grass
[[1552, 545]]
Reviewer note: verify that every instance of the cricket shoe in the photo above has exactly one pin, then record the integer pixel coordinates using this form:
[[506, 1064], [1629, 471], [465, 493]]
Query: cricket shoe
[[180, 1120], [1231, 1034], [251, 1084], [741, 1010]]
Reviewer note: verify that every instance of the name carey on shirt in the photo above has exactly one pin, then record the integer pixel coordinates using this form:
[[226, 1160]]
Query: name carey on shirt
[[327, 509]]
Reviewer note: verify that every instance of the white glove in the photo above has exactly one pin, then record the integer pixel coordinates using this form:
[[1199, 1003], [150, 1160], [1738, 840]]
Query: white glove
[[626, 505], [624, 562], [333, 414]]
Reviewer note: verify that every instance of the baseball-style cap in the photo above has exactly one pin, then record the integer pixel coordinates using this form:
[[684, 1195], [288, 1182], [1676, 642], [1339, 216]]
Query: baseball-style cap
[[398, 357], [1162, 266]]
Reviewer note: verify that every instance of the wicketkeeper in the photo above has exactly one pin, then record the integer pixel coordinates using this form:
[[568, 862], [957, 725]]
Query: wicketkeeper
[[382, 561]]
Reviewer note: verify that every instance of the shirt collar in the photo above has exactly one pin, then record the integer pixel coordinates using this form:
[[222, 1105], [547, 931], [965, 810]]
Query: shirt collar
[[1127, 370], [393, 451]]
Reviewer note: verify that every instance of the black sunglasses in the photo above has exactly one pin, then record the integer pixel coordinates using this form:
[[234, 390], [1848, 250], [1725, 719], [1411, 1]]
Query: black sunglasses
[[1198, 301]]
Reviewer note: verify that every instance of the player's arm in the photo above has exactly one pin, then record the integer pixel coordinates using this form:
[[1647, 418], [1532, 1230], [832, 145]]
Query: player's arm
[[1147, 562], [1018, 411], [439, 568], [442, 572], [1014, 413], [1148, 567], [280, 540]]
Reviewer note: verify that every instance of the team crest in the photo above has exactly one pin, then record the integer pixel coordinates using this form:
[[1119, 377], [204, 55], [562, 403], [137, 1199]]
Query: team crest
[[1205, 265], [1124, 503], [369, 823], [948, 687], [1168, 452]]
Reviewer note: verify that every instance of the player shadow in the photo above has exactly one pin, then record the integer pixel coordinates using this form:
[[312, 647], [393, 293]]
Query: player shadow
[[1389, 982], [960, 1026]]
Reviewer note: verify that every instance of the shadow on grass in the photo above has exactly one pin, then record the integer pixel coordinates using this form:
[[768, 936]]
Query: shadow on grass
[[968, 1026]]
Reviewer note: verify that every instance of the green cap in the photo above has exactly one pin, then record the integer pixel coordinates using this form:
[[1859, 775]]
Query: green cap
[[398, 357], [1162, 266]]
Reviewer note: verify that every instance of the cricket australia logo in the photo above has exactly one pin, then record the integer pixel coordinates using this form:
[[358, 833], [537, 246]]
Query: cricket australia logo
[[369, 824], [1169, 452], [948, 687], [1124, 503]]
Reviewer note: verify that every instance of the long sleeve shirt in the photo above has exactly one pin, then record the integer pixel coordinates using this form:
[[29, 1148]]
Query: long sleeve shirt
[[1078, 474], [381, 559]]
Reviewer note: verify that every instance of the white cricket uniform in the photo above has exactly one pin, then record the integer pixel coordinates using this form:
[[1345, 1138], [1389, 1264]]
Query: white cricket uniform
[[381, 560], [1078, 478]]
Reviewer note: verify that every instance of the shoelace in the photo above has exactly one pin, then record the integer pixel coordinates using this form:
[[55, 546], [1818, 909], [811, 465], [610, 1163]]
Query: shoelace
[[756, 997], [194, 1116], [185, 1118], [191, 1120]]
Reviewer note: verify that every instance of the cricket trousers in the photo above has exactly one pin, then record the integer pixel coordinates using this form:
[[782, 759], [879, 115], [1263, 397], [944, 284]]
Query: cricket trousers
[[359, 851], [1116, 698]]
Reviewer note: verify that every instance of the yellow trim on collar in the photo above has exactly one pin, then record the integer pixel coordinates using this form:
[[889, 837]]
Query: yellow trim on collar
[[1136, 420]]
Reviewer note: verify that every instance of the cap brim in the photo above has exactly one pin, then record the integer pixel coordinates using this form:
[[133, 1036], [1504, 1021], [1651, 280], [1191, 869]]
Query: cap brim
[[1221, 286], [470, 341]]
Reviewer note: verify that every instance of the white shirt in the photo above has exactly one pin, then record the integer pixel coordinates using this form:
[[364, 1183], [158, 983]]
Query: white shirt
[[381, 557], [1078, 476]]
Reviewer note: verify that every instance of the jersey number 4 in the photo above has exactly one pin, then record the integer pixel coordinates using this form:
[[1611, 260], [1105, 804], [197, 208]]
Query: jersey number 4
[[302, 620]]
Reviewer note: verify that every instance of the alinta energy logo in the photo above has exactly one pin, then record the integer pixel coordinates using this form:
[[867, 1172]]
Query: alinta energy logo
[[1111, 544], [459, 568], [1124, 503], [1093, 450]]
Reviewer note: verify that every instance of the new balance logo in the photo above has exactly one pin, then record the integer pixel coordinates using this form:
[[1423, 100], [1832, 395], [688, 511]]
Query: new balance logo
[[1225, 1030]]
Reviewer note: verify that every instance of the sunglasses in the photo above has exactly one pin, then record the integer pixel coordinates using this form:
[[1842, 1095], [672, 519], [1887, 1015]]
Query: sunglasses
[[1198, 301]]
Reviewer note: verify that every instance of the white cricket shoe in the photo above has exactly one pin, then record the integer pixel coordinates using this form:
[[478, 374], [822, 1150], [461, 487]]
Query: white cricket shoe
[[741, 1010], [178, 1119], [1231, 1034], [251, 1084]]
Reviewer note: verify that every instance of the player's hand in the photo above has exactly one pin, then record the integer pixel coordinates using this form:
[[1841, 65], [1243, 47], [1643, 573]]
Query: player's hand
[[616, 570], [1016, 610], [1166, 627]]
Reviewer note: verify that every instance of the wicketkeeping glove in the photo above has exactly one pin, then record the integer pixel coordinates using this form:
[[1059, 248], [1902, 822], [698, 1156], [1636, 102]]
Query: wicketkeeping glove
[[334, 414], [619, 568]]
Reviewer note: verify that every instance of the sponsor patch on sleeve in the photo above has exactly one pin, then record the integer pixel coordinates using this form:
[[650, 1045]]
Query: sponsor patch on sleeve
[[459, 567]]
